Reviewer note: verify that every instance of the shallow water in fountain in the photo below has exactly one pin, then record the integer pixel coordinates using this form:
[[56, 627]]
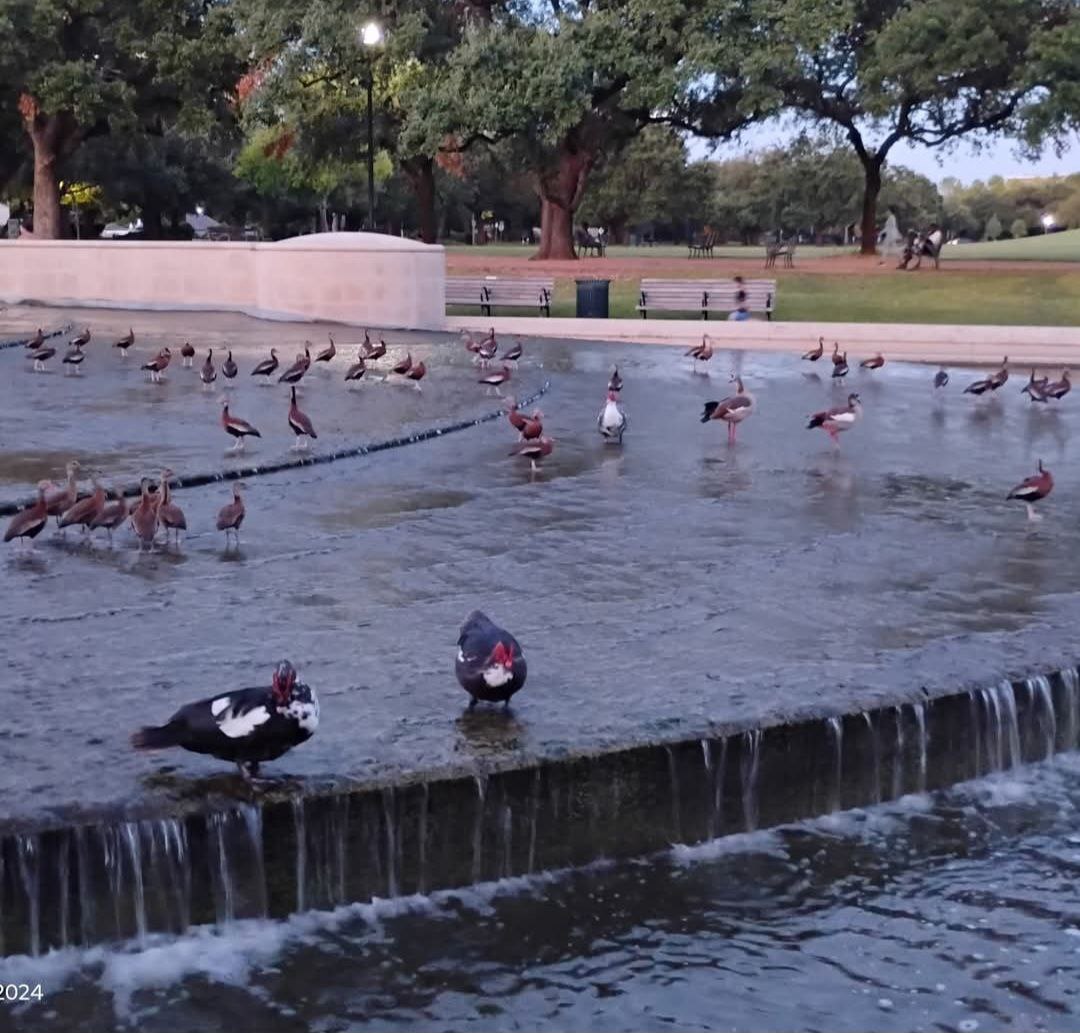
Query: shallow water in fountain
[[660, 589], [955, 911]]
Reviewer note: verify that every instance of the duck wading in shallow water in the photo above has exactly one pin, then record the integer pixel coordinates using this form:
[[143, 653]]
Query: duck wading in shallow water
[[246, 726], [732, 410], [1033, 489], [612, 420], [489, 665], [841, 418]]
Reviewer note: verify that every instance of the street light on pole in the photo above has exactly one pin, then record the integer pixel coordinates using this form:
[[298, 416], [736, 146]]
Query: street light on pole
[[371, 35]]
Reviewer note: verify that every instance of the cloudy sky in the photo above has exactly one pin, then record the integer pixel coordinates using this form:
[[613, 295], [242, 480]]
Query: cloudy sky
[[966, 164]]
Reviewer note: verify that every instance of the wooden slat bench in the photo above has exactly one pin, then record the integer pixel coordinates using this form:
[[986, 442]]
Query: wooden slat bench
[[705, 296], [490, 292]]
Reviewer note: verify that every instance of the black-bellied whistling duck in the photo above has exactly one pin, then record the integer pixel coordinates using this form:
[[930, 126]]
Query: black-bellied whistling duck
[[267, 366], [124, 343], [416, 374], [228, 367], [535, 451], [112, 514], [1058, 389], [472, 345], [376, 352], [515, 351], [74, 359], [84, 512], [612, 420], [1035, 388], [64, 498], [301, 426], [517, 419], [208, 374], [357, 370], [33, 343], [295, 373], [1032, 489], [490, 666], [306, 357], [157, 365], [533, 426], [83, 339], [42, 356], [487, 348], [327, 353], [614, 381], [815, 353], [170, 515], [237, 428], [999, 378], [365, 345], [875, 363], [244, 726], [29, 523], [402, 367], [187, 354], [839, 362], [231, 515], [838, 419], [941, 378], [732, 410], [494, 381], [144, 517], [978, 387], [701, 352]]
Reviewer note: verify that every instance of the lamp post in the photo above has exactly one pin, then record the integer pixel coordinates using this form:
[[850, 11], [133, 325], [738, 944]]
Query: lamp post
[[371, 36]]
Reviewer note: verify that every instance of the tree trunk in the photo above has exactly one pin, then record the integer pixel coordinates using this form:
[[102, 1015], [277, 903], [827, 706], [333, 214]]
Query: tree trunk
[[51, 136], [871, 190], [617, 230], [421, 173], [561, 188]]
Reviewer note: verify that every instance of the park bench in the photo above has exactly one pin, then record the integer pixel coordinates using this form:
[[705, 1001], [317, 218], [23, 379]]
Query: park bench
[[586, 243], [784, 249], [490, 292], [702, 247], [705, 296]]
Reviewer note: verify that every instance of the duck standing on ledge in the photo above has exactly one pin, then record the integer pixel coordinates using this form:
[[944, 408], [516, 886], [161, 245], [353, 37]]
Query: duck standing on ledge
[[30, 522], [1032, 489], [490, 665], [732, 410], [612, 420], [246, 726], [301, 425], [838, 419], [237, 428]]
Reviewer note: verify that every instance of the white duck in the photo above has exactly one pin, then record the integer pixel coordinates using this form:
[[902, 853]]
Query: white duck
[[612, 420]]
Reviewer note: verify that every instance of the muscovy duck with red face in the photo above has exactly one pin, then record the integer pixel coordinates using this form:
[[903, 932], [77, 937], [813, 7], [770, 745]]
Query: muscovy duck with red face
[[246, 726], [490, 664]]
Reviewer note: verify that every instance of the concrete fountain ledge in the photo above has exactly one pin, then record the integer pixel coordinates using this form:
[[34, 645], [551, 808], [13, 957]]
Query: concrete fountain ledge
[[365, 278], [90, 880]]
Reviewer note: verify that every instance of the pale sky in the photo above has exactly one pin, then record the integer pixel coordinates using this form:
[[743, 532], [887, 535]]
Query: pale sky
[[997, 158]]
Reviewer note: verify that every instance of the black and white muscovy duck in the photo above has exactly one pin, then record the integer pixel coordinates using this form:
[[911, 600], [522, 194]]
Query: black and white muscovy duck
[[612, 420], [490, 664], [246, 726]]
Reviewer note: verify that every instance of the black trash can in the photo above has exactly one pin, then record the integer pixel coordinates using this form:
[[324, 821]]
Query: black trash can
[[592, 299]]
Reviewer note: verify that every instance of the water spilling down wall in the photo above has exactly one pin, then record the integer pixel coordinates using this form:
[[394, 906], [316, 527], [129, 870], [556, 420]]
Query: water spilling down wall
[[82, 884]]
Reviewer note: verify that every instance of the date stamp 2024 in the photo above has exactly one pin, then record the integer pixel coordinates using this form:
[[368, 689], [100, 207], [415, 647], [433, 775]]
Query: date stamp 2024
[[15, 993]]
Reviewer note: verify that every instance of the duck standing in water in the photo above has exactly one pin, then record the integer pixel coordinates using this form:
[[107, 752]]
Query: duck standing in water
[[490, 665], [231, 515], [701, 352], [228, 367], [246, 726], [612, 420], [1032, 489], [112, 514], [187, 355], [839, 419], [125, 342], [301, 425], [144, 517], [839, 362], [267, 366], [815, 353], [1058, 389], [208, 374], [30, 522], [732, 410], [875, 363], [941, 378], [170, 515]]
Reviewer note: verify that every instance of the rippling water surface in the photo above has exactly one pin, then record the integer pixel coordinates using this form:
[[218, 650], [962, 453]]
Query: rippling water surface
[[956, 911]]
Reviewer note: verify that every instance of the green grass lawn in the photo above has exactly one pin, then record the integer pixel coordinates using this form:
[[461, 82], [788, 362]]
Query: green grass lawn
[[1034, 299], [1047, 247]]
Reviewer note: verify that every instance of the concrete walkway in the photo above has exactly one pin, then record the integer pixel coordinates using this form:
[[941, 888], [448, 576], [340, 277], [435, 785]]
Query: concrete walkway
[[916, 342]]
